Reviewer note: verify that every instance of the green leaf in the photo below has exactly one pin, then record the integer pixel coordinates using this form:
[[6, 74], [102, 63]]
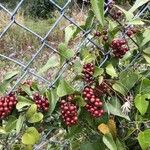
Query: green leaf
[[98, 8], [115, 108], [127, 79], [26, 88], [89, 20], [147, 58], [65, 52], [139, 38], [145, 86], [22, 102], [144, 139], [137, 21], [78, 66], [137, 4], [64, 89], [11, 124], [89, 58], [32, 110], [53, 99], [112, 25], [73, 131], [69, 31], [10, 75], [31, 136], [141, 104], [111, 71], [93, 145], [98, 71], [19, 123], [119, 145], [146, 37], [129, 15], [36, 117], [80, 101], [86, 56], [109, 142], [117, 87], [2, 130], [32, 114], [51, 63], [87, 146], [3, 86], [147, 50]]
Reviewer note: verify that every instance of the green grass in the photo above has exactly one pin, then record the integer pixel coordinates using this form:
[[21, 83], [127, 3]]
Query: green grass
[[41, 27]]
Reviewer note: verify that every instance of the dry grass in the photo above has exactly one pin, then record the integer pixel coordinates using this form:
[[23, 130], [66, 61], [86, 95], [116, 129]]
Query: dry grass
[[21, 45]]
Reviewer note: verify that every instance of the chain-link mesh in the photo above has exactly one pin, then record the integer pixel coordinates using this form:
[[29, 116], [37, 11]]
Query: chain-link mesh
[[87, 38]]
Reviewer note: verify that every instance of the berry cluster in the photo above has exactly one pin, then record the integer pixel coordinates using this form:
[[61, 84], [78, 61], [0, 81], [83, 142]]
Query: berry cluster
[[41, 102], [131, 31], [104, 35], [88, 71], [116, 14], [7, 104], [103, 88], [94, 104], [119, 47], [69, 111], [111, 4]]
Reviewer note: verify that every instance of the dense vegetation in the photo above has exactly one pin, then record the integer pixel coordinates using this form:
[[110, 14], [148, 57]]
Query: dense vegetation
[[101, 101]]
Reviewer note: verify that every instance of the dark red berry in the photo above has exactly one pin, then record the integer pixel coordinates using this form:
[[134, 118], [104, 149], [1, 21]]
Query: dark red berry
[[105, 38], [7, 105], [68, 111], [119, 13], [119, 47], [88, 71], [97, 34], [94, 104], [41, 102], [129, 33]]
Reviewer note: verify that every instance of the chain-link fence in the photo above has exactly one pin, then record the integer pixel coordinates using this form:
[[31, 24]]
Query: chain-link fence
[[87, 38]]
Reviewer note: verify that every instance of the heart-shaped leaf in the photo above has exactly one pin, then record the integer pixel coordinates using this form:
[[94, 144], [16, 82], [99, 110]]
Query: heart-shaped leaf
[[144, 139], [141, 104], [31, 136], [36, 117], [64, 89]]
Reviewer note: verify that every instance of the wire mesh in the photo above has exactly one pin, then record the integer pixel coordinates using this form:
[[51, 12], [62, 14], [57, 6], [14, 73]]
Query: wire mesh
[[26, 68]]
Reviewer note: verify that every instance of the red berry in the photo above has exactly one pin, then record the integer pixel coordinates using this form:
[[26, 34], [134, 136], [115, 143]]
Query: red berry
[[1, 109], [97, 34], [6, 109], [92, 100], [41, 102], [10, 103], [88, 70], [1, 103], [119, 13], [119, 47], [105, 32], [68, 112], [46, 108], [129, 33], [105, 38], [4, 104]]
